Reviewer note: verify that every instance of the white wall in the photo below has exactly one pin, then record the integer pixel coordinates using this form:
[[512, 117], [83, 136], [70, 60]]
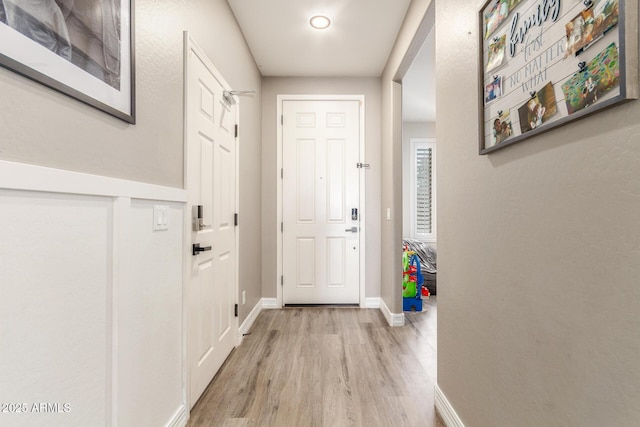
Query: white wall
[[273, 86], [91, 307], [411, 130], [538, 258]]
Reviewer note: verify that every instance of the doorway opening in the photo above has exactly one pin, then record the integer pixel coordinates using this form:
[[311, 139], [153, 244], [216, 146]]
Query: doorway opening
[[419, 159]]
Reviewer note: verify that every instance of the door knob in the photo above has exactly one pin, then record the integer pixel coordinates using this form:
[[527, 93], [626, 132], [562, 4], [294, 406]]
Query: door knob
[[197, 249], [352, 230]]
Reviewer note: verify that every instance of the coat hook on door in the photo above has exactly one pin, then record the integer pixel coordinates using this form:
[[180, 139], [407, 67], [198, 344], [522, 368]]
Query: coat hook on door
[[228, 95]]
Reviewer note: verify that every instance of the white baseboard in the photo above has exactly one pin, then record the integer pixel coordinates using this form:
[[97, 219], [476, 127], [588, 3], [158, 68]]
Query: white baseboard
[[445, 410], [372, 302], [394, 319], [180, 418], [248, 322], [270, 303]]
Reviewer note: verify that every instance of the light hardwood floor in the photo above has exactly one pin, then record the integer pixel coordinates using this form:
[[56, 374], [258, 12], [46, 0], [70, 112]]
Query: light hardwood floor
[[329, 367]]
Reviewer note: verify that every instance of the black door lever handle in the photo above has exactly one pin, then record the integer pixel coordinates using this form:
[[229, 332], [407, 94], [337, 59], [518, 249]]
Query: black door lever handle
[[197, 249]]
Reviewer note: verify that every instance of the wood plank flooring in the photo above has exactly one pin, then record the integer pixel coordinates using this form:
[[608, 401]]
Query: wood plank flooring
[[329, 367]]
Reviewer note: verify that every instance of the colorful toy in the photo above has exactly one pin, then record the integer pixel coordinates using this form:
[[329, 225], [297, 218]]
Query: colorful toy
[[409, 277], [413, 289]]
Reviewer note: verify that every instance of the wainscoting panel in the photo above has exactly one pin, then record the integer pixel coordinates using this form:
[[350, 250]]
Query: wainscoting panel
[[91, 300], [149, 314], [55, 308]]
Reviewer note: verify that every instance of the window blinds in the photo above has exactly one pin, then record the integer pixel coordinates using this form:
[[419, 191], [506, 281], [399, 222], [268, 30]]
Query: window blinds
[[424, 190]]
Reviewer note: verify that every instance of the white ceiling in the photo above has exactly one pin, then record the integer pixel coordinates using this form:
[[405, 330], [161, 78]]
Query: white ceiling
[[419, 85], [357, 44]]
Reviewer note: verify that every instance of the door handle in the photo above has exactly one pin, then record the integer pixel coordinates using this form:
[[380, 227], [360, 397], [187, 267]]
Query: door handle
[[197, 249], [352, 230]]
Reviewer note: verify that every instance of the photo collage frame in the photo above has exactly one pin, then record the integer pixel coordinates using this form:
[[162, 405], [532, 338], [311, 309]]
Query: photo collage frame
[[546, 63]]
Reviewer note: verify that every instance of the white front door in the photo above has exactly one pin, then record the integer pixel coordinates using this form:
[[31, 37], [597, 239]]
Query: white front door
[[320, 193], [211, 185]]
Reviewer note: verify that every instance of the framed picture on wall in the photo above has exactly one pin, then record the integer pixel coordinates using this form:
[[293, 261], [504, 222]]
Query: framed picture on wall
[[558, 61], [83, 49]]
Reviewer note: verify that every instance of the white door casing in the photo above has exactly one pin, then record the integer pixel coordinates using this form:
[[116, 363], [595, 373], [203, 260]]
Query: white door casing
[[211, 182], [320, 186]]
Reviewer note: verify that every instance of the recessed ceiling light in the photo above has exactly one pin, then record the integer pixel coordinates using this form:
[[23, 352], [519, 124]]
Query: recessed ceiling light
[[320, 22]]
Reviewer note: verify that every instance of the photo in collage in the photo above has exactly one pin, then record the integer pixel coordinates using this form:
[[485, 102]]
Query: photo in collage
[[495, 55], [494, 17], [497, 14], [502, 128], [538, 109], [599, 76], [493, 90], [590, 25]]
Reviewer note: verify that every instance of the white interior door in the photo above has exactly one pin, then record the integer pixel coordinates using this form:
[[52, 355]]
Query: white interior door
[[320, 193], [211, 185]]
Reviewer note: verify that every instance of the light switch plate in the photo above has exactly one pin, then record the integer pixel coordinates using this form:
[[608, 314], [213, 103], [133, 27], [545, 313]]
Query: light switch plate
[[160, 217]]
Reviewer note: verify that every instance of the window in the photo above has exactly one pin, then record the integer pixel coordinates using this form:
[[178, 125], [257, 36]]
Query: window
[[423, 189]]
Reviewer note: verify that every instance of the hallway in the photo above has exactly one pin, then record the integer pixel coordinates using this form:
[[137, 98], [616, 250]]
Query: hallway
[[327, 367]]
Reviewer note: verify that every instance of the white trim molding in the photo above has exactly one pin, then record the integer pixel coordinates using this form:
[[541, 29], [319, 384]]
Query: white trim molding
[[270, 303], [20, 176], [372, 302], [180, 418], [445, 410], [394, 319], [248, 322]]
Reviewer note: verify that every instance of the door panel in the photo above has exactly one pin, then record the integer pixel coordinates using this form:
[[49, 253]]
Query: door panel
[[306, 267], [335, 262], [211, 183], [321, 142], [306, 190], [336, 193]]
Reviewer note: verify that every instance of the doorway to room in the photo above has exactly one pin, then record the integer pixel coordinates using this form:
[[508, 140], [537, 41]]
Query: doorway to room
[[419, 154], [419, 160]]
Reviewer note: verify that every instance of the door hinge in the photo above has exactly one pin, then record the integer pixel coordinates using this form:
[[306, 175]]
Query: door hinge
[[282, 227], [235, 219], [235, 311], [281, 173], [281, 280], [281, 119], [236, 131], [362, 165]]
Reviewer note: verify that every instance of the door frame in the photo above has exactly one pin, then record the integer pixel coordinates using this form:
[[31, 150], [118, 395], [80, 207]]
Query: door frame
[[190, 46], [361, 180]]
